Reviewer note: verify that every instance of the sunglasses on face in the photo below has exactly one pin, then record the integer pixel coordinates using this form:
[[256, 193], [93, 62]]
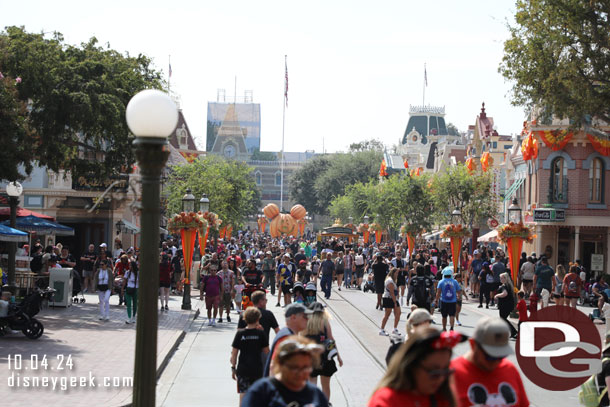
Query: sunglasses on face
[[299, 369], [439, 373]]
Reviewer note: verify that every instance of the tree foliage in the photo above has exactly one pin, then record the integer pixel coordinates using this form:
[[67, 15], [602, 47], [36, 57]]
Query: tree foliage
[[321, 179], [470, 193], [229, 185], [258, 155], [558, 56], [367, 145], [74, 99]]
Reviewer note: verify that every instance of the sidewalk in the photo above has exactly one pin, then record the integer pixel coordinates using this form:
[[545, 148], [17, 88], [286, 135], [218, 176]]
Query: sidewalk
[[98, 349]]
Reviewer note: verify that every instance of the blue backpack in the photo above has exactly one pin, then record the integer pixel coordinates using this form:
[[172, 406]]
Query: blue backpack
[[448, 291]]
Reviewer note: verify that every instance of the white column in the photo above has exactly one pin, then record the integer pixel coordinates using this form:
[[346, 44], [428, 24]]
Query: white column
[[608, 251], [538, 240], [576, 243]]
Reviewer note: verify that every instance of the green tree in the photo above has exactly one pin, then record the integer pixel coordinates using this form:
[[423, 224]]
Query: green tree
[[302, 183], [229, 185], [470, 193], [367, 145], [452, 130], [558, 57], [75, 99]]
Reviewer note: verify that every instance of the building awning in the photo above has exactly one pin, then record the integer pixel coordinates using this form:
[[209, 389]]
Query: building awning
[[513, 188], [433, 235], [489, 237], [130, 227]]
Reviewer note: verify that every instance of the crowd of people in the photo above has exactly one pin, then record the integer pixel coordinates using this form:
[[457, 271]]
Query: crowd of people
[[240, 275]]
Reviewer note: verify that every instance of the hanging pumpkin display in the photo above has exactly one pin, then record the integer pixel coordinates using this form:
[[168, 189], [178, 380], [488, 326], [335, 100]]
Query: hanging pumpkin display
[[486, 161], [471, 165]]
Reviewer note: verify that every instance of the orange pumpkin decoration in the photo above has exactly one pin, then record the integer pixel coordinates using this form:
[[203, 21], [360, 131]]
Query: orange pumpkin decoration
[[298, 211], [271, 211], [287, 224]]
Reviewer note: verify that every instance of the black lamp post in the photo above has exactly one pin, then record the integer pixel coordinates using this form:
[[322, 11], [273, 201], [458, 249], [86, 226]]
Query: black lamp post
[[151, 116], [514, 212], [204, 203], [188, 205], [456, 217], [120, 226], [13, 190]]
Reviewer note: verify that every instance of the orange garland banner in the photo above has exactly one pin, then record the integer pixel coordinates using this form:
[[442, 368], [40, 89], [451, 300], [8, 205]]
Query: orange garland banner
[[203, 241], [486, 161], [222, 232], [382, 169], [456, 244], [366, 236], [410, 244], [600, 144], [378, 236], [188, 245], [228, 233], [555, 139], [514, 245], [470, 164]]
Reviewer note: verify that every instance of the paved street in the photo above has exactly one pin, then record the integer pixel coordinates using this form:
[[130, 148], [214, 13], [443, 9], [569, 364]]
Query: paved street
[[97, 348], [199, 373]]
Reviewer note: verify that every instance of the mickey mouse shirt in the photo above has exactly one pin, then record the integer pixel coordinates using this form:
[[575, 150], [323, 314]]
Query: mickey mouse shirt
[[476, 387]]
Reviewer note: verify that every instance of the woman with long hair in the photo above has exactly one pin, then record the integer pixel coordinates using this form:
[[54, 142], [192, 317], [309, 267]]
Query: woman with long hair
[[319, 330], [103, 284], [560, 274], [418, 373], [131, 282], [165, 279], [506, 300], [390, 301]]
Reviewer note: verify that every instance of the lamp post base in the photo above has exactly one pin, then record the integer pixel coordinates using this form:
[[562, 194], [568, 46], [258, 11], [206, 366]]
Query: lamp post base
[[186, 297]]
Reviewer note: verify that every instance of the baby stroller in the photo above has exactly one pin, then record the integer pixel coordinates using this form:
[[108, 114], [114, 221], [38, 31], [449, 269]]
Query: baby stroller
[[117, 288], [77, 288], [596, 314], [21, 316]]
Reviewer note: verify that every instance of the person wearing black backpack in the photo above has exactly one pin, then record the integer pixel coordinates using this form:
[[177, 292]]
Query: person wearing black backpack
[[421, 286]]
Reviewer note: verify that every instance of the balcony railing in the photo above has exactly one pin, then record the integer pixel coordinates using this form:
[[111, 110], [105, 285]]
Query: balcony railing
[[558, 191]]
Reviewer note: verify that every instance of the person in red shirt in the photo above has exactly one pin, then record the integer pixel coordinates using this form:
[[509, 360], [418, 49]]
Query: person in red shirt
[[122, 266], [165, 279], [484, 377], [418, 373]]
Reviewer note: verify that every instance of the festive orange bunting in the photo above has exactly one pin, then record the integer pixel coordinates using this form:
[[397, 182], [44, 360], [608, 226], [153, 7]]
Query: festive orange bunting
[[188, 244], [470, 164], [600, 144], [382, 169], [555, 139], [486, 161]]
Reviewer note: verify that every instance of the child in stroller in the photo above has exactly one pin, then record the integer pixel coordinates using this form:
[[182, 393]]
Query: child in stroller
[[298, 292], [369, 284], [77, 288], [247, 292]]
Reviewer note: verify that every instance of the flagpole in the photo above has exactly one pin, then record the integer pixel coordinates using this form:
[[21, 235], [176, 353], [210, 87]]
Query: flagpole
[[283, 127], [169, 76], [425, 83]]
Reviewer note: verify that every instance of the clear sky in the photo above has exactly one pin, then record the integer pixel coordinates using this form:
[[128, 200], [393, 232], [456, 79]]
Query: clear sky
[[354, 66]]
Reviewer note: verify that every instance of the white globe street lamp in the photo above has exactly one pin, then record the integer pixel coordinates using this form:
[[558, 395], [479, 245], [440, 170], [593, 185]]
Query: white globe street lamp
[[13, 190], [151, 116]]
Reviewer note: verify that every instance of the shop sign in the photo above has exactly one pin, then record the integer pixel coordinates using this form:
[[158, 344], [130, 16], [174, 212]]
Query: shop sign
[[597, 262], [549, 215]]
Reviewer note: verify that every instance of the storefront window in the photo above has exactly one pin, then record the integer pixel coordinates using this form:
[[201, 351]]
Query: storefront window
[[559, 181], [596, 172]]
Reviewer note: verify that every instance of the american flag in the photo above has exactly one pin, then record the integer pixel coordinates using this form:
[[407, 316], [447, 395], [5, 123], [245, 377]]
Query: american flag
[[286, 79]]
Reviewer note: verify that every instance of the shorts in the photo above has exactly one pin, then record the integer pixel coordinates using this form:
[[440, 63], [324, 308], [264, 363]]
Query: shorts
[[401, 281], [379, 287], [177, 277], [572, 296], [225, 301], [211, 302], [459, 303], [88, 273], [359, 271], [448, 309], [327, 369], [473, 278], [386, 302], [164, 285], [557, 295], [527, 281], [286, 289], [244, 383], [424, 305]]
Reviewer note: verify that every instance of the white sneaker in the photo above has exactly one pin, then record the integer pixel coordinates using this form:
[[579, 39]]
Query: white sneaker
[[213, 321], [458, 323], [396, 331], [209, 322], [128, 321], [401, 300], [101, 318], [383, 333]]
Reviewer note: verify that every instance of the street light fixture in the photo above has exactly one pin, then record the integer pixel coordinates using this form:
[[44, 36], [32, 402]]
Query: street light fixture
[[204, 203], [151, 116], [456, 217], [188, 201], [366, 219], [120, 227], [188, 205], [514, 212], [13, 190]]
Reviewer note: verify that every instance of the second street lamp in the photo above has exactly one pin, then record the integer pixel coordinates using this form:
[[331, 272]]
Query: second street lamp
[[188, 205], [13, 190]]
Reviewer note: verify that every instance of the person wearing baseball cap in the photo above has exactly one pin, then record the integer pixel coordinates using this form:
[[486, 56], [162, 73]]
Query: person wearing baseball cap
[[484, 372], [296, 321], [303, 273], [448, 291]]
